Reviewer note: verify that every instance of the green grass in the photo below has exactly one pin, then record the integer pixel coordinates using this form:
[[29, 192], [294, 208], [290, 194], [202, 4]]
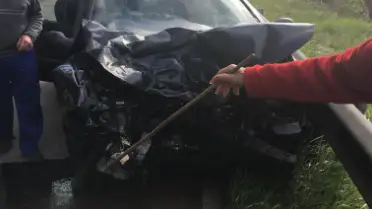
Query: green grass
[[369, 111], [319, 181]]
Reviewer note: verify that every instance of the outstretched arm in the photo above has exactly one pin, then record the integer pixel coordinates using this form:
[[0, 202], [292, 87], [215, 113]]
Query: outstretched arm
[[341, 78]]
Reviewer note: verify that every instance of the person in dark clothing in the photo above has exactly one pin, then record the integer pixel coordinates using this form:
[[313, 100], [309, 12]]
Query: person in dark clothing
[[340, 78], [21, 22]]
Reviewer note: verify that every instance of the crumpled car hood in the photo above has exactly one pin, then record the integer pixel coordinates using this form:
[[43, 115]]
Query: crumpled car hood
[[180, 61]]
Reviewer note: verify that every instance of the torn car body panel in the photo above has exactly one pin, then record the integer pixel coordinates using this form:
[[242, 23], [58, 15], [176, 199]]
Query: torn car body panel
[[129, 77]]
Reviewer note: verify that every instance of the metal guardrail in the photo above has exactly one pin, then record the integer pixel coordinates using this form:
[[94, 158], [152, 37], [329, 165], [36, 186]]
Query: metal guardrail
[[349, 133]]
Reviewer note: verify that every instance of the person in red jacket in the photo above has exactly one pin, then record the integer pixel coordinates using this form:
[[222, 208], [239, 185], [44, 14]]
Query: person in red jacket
[[340, 78]]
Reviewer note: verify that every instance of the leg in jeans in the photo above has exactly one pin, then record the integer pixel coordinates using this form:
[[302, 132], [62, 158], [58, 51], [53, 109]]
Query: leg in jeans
[[26, 91], [6, 107]]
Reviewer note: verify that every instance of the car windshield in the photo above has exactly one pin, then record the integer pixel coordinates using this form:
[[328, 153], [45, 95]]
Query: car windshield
[[148, 16]]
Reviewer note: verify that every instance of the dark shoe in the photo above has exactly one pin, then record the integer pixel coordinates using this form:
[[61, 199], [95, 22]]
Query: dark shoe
[[35, 156], [5, 146]]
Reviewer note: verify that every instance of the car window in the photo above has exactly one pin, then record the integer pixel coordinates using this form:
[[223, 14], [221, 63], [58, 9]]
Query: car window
[[48, 9], [211, 13]]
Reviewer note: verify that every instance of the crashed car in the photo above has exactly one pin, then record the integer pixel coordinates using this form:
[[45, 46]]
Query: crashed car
[[133, 63]]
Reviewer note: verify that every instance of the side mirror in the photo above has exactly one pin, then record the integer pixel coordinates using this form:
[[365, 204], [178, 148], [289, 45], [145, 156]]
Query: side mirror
[[284, 20]]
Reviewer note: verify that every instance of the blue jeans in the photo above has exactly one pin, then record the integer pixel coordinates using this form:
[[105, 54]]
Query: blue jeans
[[19, 79]]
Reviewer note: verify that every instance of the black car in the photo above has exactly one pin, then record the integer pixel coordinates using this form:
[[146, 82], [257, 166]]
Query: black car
[[133, 63], [119, 68]]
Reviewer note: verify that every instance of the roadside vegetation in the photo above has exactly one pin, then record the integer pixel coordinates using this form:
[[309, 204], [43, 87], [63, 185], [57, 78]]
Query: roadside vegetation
[[319, 180]]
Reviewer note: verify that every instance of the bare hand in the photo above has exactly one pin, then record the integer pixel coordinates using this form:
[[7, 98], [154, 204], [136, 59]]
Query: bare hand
[[25, 43], [225, 81]]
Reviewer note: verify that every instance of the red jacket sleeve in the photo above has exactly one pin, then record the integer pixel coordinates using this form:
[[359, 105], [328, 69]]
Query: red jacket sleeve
[[341, 78]]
